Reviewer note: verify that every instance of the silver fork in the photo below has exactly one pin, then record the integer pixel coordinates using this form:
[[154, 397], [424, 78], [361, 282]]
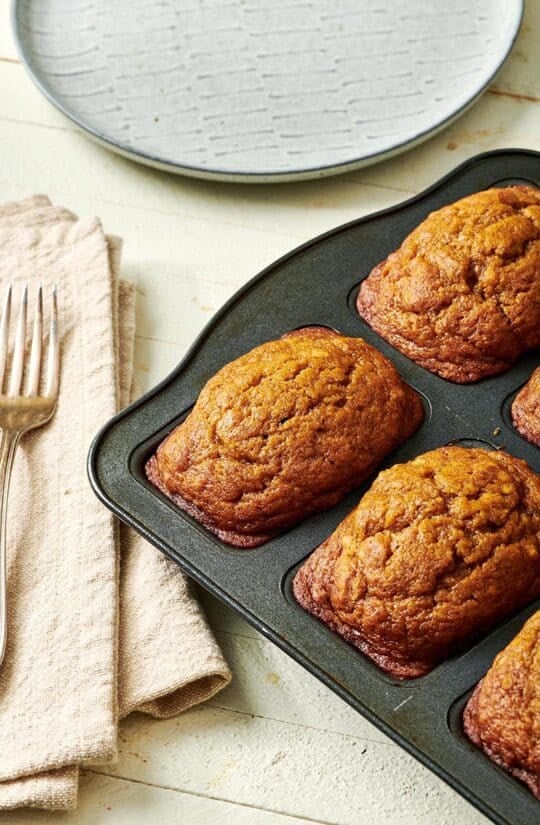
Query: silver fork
[[20, 413]]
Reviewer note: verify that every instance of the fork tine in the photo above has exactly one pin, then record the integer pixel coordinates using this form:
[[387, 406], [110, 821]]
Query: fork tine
[[53, 359], [17, 365], [35, 353], [4, 335]]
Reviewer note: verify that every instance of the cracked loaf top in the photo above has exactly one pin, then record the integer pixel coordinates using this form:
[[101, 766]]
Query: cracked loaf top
[[284, 431], [503, 715], [437, 550], [526, 409], [461, 296]]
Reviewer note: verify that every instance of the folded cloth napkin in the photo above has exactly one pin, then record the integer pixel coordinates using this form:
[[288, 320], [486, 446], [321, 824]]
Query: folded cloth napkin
[[99, 623]]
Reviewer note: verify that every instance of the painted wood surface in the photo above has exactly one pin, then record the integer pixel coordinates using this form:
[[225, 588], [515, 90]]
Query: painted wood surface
[[276, 747]]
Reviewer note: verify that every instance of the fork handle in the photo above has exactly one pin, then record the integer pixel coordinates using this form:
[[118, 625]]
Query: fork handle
[[8, 445]]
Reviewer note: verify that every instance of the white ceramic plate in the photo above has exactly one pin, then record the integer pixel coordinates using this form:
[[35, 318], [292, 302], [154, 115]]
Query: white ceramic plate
[[263, 90]]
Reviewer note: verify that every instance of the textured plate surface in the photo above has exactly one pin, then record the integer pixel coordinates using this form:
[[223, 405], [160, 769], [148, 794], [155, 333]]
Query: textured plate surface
[[317, 284], [259, 90]]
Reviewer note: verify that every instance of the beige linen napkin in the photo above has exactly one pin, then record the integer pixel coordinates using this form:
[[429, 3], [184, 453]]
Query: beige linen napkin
[[100, 623]]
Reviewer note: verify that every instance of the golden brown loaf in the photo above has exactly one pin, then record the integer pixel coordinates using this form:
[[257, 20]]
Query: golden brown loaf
[[284, 431], [436, 551], [526, 409], [461, 296], [503, 714]]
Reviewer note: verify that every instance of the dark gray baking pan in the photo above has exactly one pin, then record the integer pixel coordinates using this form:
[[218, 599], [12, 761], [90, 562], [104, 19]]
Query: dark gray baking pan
[[317, 284]]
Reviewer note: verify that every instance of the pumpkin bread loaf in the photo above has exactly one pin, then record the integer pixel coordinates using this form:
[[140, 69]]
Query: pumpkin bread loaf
[[461, 296], [284, 431], [503, 715], [526, 409], [438, 550]]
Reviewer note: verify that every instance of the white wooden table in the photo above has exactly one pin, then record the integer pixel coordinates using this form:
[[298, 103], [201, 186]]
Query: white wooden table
[[276, 748]]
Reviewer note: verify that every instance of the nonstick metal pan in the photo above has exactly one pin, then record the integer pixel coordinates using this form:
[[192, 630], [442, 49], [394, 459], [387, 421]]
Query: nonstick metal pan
[[317, 284]]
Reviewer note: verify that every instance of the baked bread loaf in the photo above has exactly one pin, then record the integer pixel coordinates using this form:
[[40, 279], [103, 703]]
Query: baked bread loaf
[[503, 715], [437, 551], [526, 409], [284, 431], [461, 296]]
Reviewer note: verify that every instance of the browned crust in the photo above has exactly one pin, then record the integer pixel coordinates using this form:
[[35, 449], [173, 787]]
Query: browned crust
[[461, 294], [421, 566], [241, 540], [526, 409], [473, 731], [503, 715], [466, 373], [399, 670], [258, 530]]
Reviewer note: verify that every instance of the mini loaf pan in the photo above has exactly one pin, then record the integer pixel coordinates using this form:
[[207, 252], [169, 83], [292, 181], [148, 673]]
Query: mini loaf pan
[[316, 284]]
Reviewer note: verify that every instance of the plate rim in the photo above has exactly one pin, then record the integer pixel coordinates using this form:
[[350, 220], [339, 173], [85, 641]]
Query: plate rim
[[306, 173]]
